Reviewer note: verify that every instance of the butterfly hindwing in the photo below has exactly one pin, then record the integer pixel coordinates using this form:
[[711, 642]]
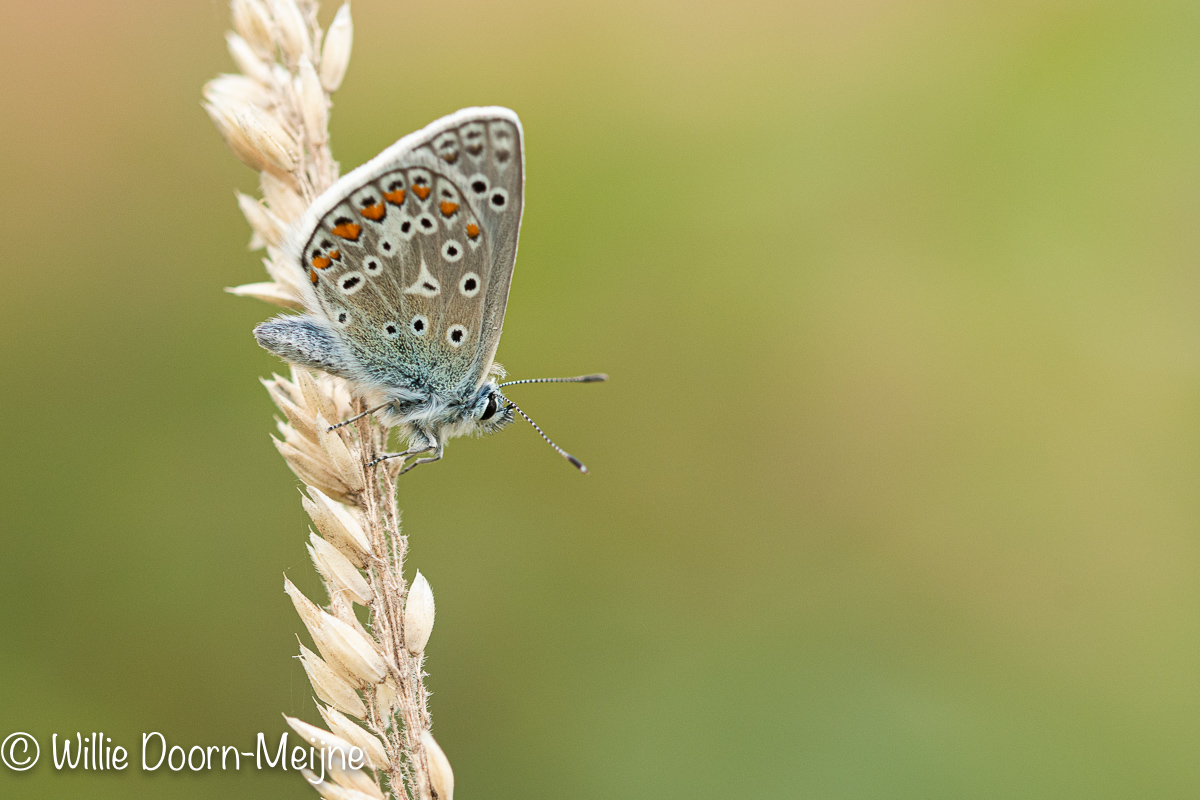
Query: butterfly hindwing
[[410, 256], [486, 149], [397, 275]]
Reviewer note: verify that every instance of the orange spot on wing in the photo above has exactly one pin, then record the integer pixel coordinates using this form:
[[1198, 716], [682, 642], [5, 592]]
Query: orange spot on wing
[[395, 198], [448, 208], [335, 254], [421, 191], [321, 262], [374, 212], [312, 275], [472, 230], [348, 230]]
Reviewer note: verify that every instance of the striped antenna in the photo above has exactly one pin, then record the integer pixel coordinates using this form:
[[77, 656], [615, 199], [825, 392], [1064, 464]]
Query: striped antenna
[[575, 461], [596, 378]]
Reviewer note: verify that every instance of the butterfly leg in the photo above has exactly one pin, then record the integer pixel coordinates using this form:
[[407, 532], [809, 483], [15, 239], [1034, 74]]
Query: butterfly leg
[[405, 454], [437, 449], [357, 417], [431, 443]]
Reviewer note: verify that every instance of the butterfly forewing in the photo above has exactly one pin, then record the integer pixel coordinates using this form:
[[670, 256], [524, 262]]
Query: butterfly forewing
[[412, 260]]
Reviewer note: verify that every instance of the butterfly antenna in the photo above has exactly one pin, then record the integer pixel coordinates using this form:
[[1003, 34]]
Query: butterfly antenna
[[596, 378], [575, 461]]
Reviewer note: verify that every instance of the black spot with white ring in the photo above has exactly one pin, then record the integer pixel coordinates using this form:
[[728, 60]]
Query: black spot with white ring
[[407, 228], [479, 184], [372, 265], [452, 251], [391, 330], [426, 224], [350, 283], [498, 200], [419, 325], [456, 335], [469, 285]]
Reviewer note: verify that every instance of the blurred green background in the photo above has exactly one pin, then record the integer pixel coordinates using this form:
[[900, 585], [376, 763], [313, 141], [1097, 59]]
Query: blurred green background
[[895, 486]]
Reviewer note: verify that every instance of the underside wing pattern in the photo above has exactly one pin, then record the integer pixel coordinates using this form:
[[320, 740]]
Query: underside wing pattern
[[411, 261]]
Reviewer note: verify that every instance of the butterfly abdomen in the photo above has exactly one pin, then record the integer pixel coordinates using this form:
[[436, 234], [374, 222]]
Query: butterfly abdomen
[[309, 342]]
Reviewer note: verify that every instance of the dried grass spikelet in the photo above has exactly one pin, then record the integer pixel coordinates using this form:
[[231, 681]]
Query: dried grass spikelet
[[247, 60], [338, 756], [355, 780], [281, 197], [345, 648], [330, 687], [238, 91], [311, 469], [345, 465], [331, 791], [314, 105], [338, 571], [298, 416], [262, 221], [367, 742], [273, 141], [335, 56], [273, 293], [354, 649], [293, 38], [319, 738], [441, 776], [253, 23], [319, 401], [337, 525], [225, 121], [418, 615], [317, 456]]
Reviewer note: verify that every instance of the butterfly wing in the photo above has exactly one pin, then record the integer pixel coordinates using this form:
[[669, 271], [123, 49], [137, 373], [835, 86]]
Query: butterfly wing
[[408, 259]]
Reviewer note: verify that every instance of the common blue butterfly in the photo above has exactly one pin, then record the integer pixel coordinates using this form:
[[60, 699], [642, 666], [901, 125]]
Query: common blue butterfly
[[407, 262]]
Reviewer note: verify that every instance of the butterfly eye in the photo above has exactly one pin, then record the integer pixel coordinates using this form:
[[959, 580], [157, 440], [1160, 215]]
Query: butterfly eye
[[489, 411]]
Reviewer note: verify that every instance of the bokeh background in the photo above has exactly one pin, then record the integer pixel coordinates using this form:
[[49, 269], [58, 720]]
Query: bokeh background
[[896, 487]]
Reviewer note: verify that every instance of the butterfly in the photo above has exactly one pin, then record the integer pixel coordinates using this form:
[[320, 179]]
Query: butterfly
[[407, 262]]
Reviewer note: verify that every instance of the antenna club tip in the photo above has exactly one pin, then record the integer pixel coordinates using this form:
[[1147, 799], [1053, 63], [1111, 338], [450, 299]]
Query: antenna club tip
[[597, 378], [579, 465]]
